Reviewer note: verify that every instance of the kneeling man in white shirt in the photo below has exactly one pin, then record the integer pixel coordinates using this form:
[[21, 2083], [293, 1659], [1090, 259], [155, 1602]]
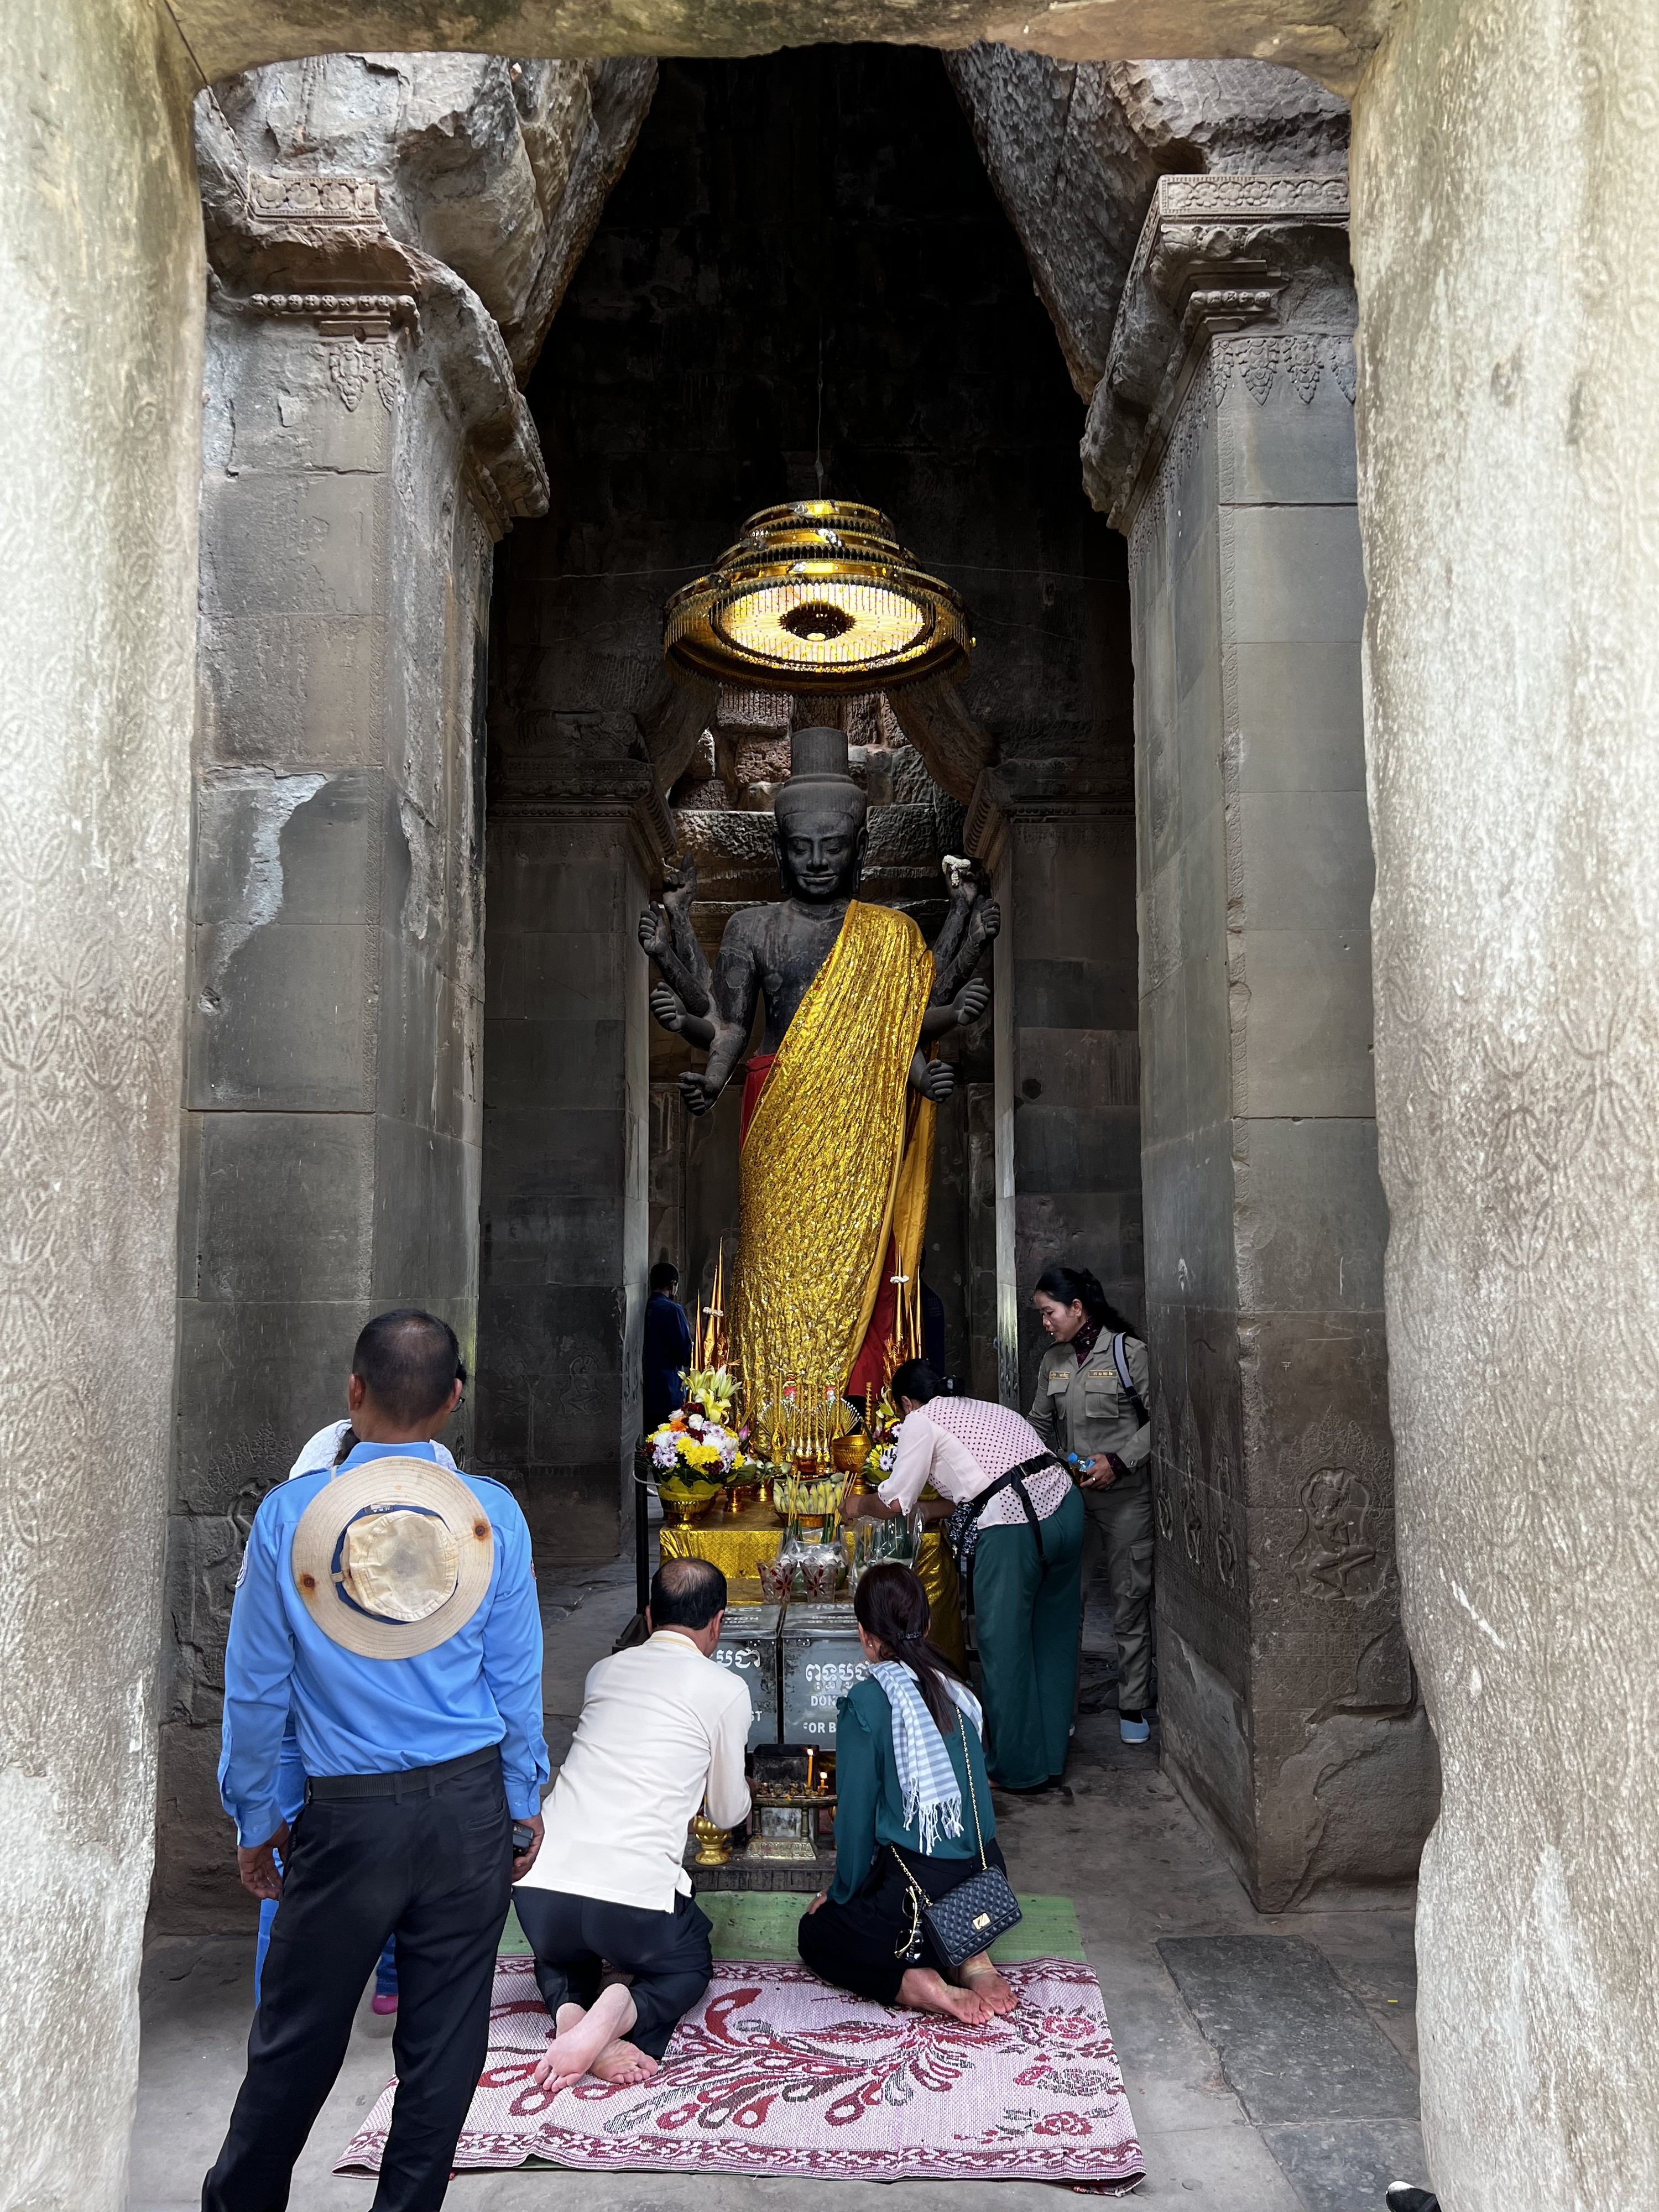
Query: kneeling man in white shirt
[[663, 1727]]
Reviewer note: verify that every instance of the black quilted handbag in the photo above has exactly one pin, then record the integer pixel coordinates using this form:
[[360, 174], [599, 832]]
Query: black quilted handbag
[[969, 1919]]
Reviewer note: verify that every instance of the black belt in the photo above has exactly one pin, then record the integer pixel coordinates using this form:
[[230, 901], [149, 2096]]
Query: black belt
[[962, 1531], [406, 1781]]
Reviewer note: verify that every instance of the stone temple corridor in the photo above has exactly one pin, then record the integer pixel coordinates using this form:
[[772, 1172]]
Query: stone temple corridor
[[1271, 379]]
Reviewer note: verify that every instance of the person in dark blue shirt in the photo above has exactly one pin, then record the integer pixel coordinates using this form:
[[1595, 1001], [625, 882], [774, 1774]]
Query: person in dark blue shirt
[[667, 1346], [389, 1606]]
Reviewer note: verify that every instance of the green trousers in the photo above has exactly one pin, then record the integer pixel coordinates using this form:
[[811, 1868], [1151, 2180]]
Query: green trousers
[[1025, 1618]]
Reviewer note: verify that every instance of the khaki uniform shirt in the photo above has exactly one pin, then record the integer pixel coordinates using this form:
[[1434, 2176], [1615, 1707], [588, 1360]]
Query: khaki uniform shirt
[[1085, 1409]]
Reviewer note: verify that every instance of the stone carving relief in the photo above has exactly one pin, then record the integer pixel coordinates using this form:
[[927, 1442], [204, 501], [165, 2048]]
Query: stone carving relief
[[1304, 356], [1344, 1548]]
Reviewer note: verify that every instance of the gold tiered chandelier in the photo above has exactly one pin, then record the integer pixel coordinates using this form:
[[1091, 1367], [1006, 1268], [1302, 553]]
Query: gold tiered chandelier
[[817, 596]]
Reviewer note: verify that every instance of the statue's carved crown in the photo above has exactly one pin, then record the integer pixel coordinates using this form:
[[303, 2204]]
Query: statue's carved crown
[[818, 773], [818, 756]]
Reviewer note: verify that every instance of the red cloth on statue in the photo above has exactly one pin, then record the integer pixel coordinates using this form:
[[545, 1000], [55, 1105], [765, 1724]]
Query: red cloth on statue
[[869, 1368], [754, 1082]]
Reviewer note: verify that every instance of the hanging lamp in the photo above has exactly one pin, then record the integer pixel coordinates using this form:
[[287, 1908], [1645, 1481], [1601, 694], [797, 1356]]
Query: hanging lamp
[[817, 596]]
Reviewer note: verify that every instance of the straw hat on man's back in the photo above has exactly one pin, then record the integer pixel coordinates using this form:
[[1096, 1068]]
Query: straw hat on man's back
[[392, 1558]]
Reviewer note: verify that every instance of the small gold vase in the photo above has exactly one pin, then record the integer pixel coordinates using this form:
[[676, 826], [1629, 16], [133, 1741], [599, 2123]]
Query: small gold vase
[[849, 1454], [714, 1845]]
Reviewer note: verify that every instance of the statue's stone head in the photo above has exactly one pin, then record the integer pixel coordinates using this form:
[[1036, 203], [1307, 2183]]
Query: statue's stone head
[[819, 820]]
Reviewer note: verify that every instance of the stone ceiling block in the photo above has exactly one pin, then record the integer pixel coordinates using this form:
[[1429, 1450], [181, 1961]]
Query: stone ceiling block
[[1074, 150]]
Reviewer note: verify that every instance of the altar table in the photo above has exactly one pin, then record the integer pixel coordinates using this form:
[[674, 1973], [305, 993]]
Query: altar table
[[736, 1543]]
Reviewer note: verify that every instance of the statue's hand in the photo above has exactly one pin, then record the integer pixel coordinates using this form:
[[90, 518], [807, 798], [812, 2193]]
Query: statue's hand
[[937, 1082], [695, 1089], [987, 922], [654, 934], [667, 1008], [970, 1002], [679, 885]]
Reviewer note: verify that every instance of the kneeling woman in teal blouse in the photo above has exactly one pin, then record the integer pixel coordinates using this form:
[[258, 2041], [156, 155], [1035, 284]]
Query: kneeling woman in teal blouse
[[912, 1800]]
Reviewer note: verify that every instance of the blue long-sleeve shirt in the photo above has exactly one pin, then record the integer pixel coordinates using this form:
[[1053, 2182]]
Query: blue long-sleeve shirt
[[361, 1715]]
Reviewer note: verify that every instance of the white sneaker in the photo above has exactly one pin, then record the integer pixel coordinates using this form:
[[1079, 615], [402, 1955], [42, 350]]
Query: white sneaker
[[1135, 1731]]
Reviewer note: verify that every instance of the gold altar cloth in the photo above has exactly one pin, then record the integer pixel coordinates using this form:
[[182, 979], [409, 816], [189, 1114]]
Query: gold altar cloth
[[736, 1543], [819, 1170]]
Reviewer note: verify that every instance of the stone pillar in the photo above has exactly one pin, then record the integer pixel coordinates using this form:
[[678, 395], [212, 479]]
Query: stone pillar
[[101, 271], [333, 1103], [1509, 488], [1058, 836], [1222, 435], [573, 845]]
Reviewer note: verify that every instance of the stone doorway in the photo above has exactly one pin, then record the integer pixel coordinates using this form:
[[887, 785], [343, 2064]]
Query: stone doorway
[[804, 258]]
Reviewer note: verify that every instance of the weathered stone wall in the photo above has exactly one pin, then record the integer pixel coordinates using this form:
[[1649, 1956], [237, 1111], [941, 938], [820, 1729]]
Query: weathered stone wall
[[1058, 838], [100, 269], [1508, 483], [1221, 435], [332, 1100]]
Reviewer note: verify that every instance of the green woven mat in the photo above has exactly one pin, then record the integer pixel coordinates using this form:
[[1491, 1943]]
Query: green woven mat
[[761, 1923]]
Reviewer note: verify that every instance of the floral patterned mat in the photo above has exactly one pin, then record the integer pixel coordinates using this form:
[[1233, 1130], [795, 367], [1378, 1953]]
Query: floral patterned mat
[[774, 2072]]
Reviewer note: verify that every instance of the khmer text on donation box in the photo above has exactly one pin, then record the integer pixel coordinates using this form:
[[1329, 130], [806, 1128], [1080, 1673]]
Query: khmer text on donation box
[[822, 1660], [749, 1646]]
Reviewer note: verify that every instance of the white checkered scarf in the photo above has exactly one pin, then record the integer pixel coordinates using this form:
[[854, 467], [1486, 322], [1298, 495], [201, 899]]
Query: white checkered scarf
[[929, 1792]]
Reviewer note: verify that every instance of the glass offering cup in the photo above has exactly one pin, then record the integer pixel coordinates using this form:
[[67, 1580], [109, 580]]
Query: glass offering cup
[[820, 1570], [775, 1577]]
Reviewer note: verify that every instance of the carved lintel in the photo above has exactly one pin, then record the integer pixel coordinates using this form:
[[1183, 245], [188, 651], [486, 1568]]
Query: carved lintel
[[1018, 793], [1216, 254], [296, 196], [339, 314], [537, 789]]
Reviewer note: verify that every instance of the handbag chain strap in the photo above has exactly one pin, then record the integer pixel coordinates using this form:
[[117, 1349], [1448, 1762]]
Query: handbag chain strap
[[967, 1769], [919, 1898]]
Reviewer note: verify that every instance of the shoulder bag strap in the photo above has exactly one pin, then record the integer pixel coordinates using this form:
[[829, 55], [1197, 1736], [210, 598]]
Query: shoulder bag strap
[[1120, 1361], [973, 1795]]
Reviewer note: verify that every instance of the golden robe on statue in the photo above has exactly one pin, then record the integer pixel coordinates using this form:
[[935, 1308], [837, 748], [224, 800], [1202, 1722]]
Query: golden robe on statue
[[836, 1158]]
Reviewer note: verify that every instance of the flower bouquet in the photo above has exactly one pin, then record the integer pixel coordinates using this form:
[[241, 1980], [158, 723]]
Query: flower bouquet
[[699, 1448]]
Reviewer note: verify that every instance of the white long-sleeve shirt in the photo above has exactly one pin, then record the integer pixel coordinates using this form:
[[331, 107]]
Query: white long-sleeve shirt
[[961, 1445], [662, 1727]]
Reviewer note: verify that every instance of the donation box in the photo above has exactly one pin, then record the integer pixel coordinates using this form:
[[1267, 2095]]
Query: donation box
[[749, 1646], [822, 1658]]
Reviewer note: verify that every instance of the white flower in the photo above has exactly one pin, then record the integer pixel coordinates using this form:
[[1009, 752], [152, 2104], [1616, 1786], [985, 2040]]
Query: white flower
[[663, 1453]]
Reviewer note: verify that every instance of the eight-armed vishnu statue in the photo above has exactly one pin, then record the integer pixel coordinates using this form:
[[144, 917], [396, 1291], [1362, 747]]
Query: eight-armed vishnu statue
[[838, 1124]]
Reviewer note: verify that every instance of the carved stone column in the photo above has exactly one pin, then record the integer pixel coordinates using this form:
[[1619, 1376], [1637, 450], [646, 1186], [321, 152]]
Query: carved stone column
[[1058, 836], [364, 443], [1221, 440]]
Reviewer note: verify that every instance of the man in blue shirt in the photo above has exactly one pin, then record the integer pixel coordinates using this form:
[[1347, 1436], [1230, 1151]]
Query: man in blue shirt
[[390, 1605], [667, 1346]]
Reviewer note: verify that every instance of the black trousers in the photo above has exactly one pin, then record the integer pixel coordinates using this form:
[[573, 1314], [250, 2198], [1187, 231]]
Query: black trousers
[[665, 1954], [432, 1866], [855, 1946]]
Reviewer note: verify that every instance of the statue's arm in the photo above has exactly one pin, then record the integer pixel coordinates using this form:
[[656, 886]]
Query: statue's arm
[[959, 1013], [983, 923], [657, 940], [934, 1078], [737, 990], [948, 943], [679, 891], [695, 1028]]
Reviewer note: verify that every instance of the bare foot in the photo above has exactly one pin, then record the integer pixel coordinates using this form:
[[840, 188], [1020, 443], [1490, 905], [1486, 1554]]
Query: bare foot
[[582, 2036], [923, 1990], [980, 1975], [621, 2064]]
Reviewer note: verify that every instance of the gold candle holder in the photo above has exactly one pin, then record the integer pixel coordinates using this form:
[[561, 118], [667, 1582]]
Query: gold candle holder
[[714, 1845]]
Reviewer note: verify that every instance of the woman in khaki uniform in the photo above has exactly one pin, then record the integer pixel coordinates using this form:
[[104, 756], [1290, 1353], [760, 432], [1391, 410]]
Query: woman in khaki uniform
[[1084, 1408]]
